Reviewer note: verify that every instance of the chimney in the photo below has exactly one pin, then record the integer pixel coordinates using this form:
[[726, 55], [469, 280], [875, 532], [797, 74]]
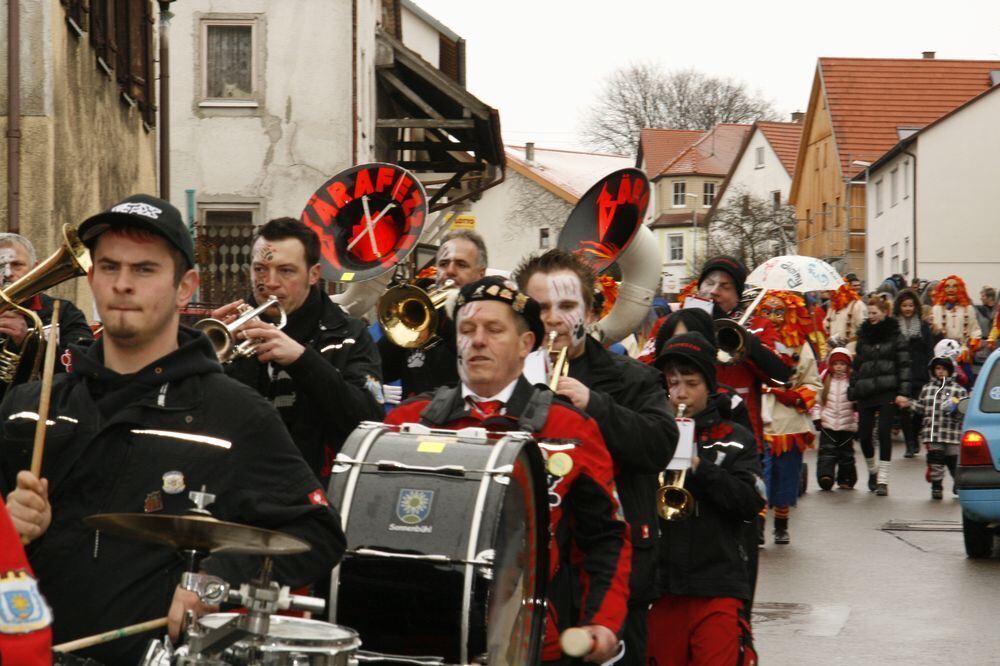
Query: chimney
[[529, 152], [929, 55], [798, 117]]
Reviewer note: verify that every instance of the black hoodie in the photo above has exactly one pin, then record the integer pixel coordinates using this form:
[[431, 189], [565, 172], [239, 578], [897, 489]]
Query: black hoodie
[[111, 440]]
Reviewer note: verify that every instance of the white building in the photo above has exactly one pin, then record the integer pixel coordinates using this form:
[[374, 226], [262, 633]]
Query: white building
[[269, 100], [526, 212], [764, 166], [933, 209]]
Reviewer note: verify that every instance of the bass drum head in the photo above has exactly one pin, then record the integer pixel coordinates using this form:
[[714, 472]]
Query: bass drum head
[[515, 608], [404, 603]]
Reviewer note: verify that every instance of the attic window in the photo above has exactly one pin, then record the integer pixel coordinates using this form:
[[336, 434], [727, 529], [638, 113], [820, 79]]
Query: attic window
[[759, 157]]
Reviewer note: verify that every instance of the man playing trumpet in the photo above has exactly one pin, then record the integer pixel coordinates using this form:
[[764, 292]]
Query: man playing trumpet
[[321, 371]]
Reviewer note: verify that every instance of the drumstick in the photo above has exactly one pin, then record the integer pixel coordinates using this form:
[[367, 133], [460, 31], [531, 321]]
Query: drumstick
[[576, 642], [108, 636], [46, 393]]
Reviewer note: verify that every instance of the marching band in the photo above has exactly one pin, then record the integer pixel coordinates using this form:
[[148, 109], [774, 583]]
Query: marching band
[[496, 508]]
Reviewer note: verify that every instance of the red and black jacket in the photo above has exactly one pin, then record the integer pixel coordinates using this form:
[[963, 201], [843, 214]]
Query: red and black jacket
[[590, 552], [25, 635], [705, 555]]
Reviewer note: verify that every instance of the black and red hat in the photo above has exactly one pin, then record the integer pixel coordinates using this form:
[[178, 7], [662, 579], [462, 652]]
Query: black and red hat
[[693, 348], [498, 288], [731, 265]]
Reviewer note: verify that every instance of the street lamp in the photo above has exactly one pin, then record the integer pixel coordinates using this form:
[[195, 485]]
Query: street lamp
[[165, 17]]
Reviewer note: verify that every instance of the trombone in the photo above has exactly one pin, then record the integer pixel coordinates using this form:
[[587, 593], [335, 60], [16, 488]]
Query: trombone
[[223, 336], [410, 316], [673, 500], [731, 335]]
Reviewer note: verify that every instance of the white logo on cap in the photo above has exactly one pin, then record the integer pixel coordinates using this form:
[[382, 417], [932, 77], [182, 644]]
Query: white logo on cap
[[144, 209]]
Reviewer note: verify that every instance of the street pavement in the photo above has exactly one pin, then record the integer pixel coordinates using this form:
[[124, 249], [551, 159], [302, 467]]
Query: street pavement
[[848, 591]]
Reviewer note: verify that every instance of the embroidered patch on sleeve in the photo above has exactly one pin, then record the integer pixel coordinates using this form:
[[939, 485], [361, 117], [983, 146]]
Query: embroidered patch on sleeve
[[374, 387], [22, 609], [318, 497]]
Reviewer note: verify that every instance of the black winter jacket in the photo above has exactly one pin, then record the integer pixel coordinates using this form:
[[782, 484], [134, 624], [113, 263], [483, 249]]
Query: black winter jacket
[[335, 385], [881, 364], [921, 350], [705, 555], [629, 402], [111, 439], [422, 370]]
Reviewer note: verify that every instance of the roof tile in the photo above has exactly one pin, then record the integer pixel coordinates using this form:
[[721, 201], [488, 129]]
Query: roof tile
[[660, 147]]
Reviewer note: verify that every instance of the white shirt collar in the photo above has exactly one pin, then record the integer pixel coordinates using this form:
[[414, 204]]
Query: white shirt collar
[[503, 396]]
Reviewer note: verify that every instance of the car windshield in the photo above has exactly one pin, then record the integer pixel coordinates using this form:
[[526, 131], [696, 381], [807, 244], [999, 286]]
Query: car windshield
[[991, 392]]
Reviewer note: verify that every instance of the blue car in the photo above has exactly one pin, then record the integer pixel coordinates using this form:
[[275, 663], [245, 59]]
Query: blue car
[[978, 476]]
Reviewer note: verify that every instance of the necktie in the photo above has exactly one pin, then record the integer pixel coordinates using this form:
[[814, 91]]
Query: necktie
[[484, 409]]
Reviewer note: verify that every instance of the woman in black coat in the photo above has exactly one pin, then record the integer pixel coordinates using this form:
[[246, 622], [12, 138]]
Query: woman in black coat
[[880, 383], [920, 344]]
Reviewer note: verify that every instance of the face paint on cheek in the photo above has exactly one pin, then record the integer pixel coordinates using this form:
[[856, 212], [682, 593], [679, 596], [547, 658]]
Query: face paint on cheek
[[564, 288], [7, 256]]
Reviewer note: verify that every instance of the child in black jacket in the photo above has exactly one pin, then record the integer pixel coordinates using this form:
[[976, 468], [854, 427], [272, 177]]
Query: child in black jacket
[[702, 576]]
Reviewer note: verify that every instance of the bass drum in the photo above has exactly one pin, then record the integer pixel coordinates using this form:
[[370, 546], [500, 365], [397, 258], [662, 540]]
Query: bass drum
[[447, 535]]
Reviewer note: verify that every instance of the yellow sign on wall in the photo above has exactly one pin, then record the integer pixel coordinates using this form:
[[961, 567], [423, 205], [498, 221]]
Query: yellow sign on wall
[[464, 221]]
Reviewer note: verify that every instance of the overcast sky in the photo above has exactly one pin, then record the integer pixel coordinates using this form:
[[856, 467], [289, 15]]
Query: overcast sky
[[541, 62]]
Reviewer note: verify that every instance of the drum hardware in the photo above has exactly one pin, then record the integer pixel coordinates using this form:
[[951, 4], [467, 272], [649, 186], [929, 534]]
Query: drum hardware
[[365, 657], [223, 336], [673, 500], [484, 558], [344, 464], [410, 316], [71, 260]]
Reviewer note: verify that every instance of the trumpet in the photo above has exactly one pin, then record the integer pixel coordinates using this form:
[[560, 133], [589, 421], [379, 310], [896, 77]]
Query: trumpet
[[673, 500], [410, 316], [732, 340], [223, 336], [558, 360]]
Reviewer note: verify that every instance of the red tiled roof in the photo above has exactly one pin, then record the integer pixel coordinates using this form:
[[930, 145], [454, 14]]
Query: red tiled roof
[[712, 155], [868, 99], [675, 220], [659, 147], [784, 139]]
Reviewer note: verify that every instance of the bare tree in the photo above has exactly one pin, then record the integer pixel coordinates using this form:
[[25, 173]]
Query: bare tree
[[752, 229], [643, 95]]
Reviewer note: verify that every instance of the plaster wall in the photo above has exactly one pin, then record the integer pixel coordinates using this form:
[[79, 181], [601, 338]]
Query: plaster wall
[[82, 148], [421, 37], [758, 181], [299, 134]]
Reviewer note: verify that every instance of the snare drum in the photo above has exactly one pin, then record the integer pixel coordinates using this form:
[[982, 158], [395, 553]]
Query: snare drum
[[447, 537], [290, 641]]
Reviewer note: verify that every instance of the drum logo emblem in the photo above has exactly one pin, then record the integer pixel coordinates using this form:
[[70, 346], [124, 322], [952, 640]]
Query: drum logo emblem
[[414, 506]]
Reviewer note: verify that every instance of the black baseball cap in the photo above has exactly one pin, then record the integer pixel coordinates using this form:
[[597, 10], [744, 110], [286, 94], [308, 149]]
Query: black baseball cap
[[146, 212], [497, 288]]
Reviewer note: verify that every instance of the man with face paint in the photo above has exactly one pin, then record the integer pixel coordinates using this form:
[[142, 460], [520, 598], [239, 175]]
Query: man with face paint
[[17, 257], [462, 259], [322, 370], [497, 327], [628, 400]]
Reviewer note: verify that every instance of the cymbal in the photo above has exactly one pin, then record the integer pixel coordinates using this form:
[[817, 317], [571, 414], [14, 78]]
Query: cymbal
[[202, 533]]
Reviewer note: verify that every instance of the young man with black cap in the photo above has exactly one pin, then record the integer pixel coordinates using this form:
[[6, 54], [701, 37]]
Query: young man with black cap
[[702, 579], [146, 416], [322, 370], [629, 402], [497, 327]]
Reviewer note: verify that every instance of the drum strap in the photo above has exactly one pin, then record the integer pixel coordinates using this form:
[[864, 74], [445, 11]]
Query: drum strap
[[438, 410], [536, 412]]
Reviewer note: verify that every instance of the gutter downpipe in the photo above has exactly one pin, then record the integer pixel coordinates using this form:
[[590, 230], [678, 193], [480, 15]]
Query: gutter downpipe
[[906, 152], [164, 26], [14, 116]]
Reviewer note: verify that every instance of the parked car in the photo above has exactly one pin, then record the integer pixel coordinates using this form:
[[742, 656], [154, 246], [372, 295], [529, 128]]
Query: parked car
[[978, 476]]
